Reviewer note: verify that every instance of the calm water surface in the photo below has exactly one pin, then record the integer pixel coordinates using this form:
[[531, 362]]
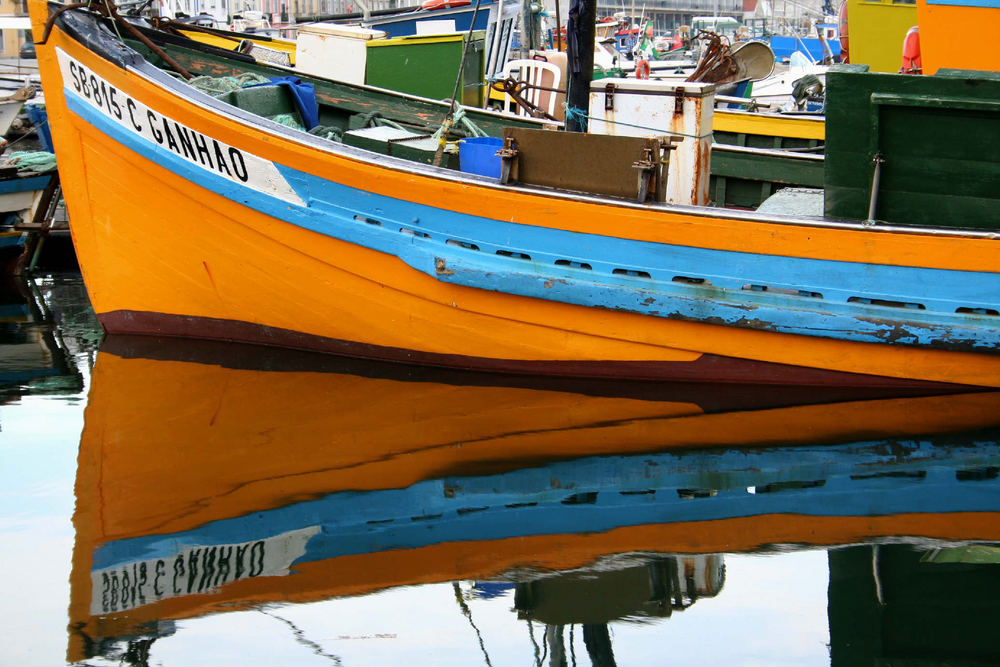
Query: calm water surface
[[185, 503]]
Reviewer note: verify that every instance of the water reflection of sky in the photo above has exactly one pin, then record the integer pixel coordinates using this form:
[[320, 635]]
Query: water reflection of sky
[[39, 438], [773, 612]]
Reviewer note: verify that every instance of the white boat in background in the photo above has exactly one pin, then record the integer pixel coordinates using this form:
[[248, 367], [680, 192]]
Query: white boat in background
[[9, 110], [12, 104], [792, 89]]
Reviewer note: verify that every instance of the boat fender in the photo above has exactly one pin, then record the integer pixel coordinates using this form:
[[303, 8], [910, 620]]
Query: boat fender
[[642, 69], [911, 52], [443, 4]]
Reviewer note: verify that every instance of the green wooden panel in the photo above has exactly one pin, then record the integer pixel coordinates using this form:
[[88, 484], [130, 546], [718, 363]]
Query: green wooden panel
[[939, 137], [744, 179], [427, 67]]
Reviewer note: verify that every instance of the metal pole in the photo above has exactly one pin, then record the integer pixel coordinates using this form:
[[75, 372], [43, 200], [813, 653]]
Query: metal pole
[[876, 178], [450, 117], [580, 61], [559, 46]]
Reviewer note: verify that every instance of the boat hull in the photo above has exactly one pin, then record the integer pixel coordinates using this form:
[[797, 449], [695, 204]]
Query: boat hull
[[367, 255]]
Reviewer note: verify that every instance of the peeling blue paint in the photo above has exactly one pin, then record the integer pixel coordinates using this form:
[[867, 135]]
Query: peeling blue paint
[[738, 288]]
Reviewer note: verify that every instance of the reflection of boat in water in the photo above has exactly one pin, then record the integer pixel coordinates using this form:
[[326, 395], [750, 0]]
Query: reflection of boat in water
[[185, 507], [33, 357], [896, 604]]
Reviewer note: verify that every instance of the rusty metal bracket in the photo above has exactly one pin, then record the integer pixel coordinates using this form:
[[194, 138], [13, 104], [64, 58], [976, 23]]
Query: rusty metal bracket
[[679, 100], [516, 90], [646, 167], [507, 154], [609, 97]]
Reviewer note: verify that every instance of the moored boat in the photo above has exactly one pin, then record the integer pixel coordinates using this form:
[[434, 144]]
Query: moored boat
[[266, 234]]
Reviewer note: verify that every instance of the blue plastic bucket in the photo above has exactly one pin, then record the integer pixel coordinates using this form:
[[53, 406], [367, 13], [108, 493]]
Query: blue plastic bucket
[[477, 155]]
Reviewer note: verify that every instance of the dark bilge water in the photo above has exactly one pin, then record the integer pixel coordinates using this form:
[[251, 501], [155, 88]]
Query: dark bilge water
[[186, 503]]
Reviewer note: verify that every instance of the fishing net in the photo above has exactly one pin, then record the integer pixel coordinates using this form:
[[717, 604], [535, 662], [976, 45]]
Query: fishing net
[[39, 161], [220, 85], [330, 133], [289, 120]]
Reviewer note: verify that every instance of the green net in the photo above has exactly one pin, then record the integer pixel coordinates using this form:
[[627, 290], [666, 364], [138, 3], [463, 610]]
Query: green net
[[39, 161], [220, 85], [289, 120]]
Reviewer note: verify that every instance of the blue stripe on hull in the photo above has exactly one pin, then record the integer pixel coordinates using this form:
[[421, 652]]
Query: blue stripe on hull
[[860, 479], [766, 292]]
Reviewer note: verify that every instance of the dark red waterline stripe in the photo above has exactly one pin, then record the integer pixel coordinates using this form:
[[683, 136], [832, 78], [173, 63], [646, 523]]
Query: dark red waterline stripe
[[707, 368]]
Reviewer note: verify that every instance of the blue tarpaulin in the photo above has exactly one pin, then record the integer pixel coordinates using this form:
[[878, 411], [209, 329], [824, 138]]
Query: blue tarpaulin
[[304, 96]]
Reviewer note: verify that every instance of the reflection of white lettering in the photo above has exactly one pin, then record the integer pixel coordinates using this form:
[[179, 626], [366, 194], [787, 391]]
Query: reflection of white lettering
[[190, 145], [194, 570]]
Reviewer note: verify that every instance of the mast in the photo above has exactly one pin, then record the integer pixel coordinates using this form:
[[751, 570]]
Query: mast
[[580, 29]]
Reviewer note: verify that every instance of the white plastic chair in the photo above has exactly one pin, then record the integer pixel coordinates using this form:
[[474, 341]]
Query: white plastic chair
[[533, 73]]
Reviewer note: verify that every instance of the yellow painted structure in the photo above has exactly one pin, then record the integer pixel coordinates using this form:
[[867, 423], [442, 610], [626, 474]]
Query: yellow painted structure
[[958, 37], [775, 125], [231, 42], [877, 30]]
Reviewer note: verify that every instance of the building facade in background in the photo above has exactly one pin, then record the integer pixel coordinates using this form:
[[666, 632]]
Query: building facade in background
[[15, 27]]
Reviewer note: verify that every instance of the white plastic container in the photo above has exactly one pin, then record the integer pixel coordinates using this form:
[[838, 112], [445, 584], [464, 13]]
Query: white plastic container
[[650, 108], [334, 51]]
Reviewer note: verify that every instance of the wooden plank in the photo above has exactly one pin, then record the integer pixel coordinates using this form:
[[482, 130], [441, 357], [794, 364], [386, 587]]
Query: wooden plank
[[593, 163]]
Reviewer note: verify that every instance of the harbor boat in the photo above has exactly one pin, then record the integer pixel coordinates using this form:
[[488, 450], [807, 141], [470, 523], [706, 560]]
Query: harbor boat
[[23, 192], [393, 476], [264, 233]]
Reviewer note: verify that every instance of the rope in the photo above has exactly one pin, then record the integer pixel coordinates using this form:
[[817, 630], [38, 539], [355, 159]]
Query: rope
[[457, 116], [473, 129], [442, 133], [33, 128], [114, 24], [580, 114]]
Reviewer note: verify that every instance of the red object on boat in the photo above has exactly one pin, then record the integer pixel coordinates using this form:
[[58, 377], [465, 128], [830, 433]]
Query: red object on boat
[[842, 29], [911, 52], [444, 4]]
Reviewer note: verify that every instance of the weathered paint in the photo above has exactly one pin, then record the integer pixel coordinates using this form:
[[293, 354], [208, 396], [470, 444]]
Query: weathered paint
[[230, 41], [725, 299], [636, 108]]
